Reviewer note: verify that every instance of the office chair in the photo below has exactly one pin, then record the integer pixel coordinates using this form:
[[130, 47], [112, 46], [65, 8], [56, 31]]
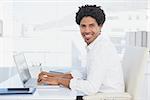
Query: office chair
[[133, 63]]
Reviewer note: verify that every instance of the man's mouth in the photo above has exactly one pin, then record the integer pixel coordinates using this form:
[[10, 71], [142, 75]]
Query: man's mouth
[[87, 40]]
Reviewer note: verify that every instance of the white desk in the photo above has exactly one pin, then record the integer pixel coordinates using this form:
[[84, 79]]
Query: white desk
[[43, 94], [40, 94]]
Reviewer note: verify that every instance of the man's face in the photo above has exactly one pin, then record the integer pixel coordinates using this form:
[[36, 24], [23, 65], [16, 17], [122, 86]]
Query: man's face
[[89, 29]]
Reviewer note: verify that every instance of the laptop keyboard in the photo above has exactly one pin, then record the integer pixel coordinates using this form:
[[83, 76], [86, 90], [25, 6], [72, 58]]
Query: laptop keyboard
[[33, 83]]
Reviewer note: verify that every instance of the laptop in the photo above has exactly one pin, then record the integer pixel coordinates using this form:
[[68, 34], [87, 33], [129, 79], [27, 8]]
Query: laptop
[[24, 73]]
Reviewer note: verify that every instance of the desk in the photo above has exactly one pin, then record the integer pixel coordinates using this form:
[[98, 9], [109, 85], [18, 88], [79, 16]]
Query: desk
[[40, 94], [44, 94]]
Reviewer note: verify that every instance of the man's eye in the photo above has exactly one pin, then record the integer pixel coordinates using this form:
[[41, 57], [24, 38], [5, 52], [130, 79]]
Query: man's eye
[[82, 26], [92, 25]]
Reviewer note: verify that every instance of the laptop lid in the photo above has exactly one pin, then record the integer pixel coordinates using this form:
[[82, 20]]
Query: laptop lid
[[22, 67], [25, 75]]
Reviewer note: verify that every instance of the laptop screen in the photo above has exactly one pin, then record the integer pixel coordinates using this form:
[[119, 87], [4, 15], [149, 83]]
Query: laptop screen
[[22, 67]]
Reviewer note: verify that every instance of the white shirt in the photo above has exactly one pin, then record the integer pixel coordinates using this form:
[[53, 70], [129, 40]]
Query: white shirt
[[103, 71]]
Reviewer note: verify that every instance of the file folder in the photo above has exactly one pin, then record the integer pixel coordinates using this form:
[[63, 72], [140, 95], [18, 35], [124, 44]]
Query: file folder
[[9, 91]]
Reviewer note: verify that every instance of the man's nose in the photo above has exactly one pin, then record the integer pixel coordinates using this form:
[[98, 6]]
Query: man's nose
[[87, 30]]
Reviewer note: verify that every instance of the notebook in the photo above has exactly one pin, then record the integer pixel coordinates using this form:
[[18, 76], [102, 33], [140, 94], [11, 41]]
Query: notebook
[[8, 91]]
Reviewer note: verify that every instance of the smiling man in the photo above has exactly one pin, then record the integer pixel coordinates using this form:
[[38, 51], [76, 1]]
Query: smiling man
[[103, 72], [89, 29]]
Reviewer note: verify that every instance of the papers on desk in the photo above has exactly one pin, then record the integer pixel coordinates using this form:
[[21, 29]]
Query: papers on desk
[[60, 71], [55, 72], [11, 91]]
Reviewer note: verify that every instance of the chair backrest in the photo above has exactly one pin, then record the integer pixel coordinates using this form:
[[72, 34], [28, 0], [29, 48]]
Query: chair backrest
[[134, 63]]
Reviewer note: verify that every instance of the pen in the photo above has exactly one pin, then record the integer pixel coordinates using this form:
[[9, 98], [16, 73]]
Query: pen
[[40, 67], [42, 70]]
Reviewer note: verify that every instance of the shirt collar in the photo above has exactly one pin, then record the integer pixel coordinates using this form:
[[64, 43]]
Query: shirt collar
[[91, 45]]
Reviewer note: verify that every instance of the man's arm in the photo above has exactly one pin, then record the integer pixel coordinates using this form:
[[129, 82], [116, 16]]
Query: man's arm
[[60, 79], [64, 81], [55, 81], [65, 75]]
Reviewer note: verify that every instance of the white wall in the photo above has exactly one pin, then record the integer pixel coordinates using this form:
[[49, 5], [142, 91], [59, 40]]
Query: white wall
[[34, 21]]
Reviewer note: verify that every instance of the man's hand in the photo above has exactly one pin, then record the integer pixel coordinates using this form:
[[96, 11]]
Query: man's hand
[[58, 75], [54, 79], [48, 80], [47, 74]]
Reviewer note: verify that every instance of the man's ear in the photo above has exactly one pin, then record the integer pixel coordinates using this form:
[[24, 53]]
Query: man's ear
[[100, 26]]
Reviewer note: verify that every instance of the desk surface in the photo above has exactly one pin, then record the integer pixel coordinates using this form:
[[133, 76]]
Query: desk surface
[[60, 93], [44, 94]]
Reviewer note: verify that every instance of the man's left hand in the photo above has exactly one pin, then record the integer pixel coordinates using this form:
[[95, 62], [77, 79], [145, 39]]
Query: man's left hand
[[48, 80]]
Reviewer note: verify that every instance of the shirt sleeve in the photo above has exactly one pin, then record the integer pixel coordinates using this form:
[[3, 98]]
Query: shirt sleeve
[[97, 68], [95, 77], [79, 73]]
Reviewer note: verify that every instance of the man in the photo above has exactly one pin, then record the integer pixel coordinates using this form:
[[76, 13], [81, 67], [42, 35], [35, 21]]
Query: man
[[103, 68]]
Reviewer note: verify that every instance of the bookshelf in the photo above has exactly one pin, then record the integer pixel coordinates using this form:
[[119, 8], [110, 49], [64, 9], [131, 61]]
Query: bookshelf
[[138, 38]]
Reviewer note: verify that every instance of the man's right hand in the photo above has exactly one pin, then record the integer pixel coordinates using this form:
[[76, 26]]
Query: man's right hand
[[44, 74]]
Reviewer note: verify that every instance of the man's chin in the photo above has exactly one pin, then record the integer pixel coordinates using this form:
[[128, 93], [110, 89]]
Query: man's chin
[[87, 42]]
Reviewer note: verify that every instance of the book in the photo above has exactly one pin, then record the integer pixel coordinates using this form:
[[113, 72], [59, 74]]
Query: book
[[13, 91]]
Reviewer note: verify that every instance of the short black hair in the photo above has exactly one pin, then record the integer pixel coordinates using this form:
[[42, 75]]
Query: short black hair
[[93, 11]]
